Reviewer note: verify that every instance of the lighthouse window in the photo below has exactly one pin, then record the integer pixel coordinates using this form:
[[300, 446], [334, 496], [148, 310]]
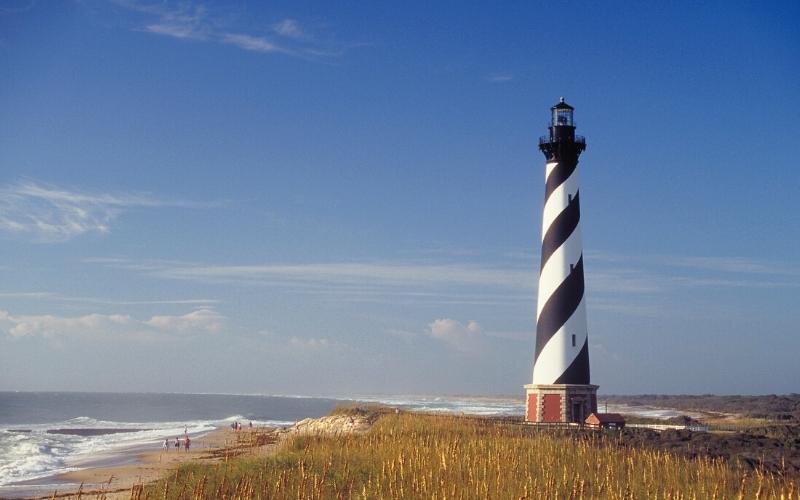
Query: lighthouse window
[[562, 117], [573, 340]]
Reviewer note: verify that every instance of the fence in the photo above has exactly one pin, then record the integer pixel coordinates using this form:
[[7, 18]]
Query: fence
[[664, 427]]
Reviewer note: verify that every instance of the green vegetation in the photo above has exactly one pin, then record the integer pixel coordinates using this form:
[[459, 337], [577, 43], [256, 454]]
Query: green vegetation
[[427, 456]]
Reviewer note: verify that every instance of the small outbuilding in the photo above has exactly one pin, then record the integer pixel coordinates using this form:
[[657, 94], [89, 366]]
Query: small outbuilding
[[605, 421]]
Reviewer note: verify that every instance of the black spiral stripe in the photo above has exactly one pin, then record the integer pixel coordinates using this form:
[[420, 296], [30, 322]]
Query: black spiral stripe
[[578, 371], [559, 307], [562, 227], [560, 173]]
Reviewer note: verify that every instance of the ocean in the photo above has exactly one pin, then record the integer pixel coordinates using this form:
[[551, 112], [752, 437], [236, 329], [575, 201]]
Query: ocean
[[43, 434]]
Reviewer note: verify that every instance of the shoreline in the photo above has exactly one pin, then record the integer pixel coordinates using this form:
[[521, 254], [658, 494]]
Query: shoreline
[[114, 473], [117, 476]]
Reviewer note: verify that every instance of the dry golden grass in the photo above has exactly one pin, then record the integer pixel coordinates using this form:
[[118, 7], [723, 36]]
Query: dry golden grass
[[437, 457]]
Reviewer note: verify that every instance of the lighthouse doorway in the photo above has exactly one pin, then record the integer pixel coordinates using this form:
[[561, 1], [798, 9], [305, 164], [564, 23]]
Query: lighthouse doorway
[[577, 412]]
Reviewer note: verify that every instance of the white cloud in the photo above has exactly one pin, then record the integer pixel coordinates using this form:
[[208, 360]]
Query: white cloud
[[289, 28], [51, 326], [52, 214], [253, 43], [461, 337], [193, 21], [201, 320], [205, 320]]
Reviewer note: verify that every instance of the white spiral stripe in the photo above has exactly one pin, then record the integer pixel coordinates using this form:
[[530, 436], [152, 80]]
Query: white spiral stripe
[[559, 200], [549, 168], [557, 267], [558, 354]]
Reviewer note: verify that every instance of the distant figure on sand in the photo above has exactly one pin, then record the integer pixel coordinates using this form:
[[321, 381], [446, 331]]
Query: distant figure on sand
[[187, 443], [251, 424], [166, 445], [177, 444]]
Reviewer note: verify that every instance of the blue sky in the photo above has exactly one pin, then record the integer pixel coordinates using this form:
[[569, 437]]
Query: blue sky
[[328, 198]]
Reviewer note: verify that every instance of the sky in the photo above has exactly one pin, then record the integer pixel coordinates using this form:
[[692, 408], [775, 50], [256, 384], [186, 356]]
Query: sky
[[340, 198]]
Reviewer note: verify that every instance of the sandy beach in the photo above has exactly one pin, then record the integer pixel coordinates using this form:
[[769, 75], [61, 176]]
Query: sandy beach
[[144, 466]]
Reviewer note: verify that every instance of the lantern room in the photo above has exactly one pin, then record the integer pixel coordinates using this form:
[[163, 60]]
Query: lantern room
[[562, 115]]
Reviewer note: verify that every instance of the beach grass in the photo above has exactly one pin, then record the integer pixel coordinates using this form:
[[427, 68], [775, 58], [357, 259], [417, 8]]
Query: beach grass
[[418, 456]]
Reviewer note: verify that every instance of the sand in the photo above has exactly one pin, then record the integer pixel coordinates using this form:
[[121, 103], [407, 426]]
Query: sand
[[115, 481]]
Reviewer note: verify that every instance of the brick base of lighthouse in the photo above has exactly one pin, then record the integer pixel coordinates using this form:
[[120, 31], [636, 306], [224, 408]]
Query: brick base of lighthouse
[[559, 403]]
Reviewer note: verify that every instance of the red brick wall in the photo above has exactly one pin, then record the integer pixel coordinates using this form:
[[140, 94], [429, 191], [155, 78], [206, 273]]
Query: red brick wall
[[530, 413], [551, 411]]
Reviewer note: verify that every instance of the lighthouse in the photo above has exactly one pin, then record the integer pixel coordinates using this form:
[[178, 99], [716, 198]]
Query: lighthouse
[[561, 391]]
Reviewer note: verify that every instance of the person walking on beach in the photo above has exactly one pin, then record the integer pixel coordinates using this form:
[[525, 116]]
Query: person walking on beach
[[187, 444], [177, 444], [165, 445]]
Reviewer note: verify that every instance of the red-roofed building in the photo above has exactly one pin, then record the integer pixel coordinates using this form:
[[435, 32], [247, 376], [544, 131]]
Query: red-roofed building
[[606, 421]]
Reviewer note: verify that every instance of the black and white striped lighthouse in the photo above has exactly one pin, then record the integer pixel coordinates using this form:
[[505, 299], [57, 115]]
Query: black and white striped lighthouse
[[561, 390]]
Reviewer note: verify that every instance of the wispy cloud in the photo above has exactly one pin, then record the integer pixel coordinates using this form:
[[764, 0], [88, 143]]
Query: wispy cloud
[[621, 280], [95, 300], [290, 29], [174, 30], [612, 284], [499, 78], [338, 274], [254, 43], [310, 343], [200, 321], [52, 214], [17, 7], [663, 273], [710, 263], [736, 265], [183, 22], [195, 21], [57, 297], [628, 307], [25, 295]]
